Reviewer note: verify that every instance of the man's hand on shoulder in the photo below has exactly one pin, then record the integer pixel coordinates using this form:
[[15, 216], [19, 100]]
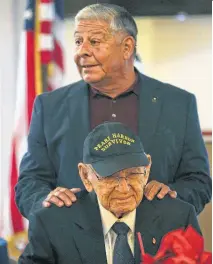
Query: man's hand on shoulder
[[154, 188], [61, 196]]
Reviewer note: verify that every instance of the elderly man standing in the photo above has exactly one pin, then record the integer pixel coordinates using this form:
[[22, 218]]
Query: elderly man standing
[[163, 116], [101, 226]]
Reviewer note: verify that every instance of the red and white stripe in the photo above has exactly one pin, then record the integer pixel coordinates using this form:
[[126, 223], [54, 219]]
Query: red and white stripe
[[46, 18], [207, 136], [51, 43]]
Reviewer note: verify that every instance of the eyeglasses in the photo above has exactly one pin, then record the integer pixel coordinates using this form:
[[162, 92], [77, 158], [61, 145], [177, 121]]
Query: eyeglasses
[[130, 177]]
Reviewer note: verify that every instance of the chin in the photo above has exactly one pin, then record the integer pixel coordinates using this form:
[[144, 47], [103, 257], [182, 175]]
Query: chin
[[122, 210], [121, 213], [92, 78]]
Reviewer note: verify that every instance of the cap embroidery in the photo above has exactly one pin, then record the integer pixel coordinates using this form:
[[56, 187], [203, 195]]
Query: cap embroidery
[[115, 138]]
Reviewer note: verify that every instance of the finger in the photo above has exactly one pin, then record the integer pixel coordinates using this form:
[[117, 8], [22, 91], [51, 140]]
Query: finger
[[57, 190], [67, 197], [154, 190], [173, 194], [164, 191], [60, 189], [148, 187], [75, 190], [71, 195], [55, 200], [46, 204]]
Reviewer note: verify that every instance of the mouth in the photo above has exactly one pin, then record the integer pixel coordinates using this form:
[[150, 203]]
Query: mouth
[[123, 198], [88, 66]]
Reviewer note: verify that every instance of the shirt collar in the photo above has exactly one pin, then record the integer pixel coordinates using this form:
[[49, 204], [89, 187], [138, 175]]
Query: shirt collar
[[133, 88], [108, 219]]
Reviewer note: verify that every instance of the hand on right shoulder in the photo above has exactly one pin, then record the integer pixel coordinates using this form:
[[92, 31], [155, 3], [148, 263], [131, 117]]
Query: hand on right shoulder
[[61, 197]]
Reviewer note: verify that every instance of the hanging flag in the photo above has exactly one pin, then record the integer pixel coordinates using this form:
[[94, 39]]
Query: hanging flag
[[40, 70]]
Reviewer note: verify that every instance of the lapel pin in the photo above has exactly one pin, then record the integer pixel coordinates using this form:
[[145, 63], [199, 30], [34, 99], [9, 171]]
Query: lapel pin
[[154, 99], [153, 241]]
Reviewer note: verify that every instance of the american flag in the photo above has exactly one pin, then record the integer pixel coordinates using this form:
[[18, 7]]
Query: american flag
[[40, 69]]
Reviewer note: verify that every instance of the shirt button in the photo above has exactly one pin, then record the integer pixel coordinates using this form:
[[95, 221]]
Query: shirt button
[[114, 115]]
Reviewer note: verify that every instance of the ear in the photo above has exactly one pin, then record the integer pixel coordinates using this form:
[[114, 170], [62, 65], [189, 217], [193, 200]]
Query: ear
[[83, 173], [128, 47], [148, 167]]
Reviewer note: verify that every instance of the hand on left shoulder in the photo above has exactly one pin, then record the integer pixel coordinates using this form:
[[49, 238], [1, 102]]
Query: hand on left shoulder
[[154, 188]]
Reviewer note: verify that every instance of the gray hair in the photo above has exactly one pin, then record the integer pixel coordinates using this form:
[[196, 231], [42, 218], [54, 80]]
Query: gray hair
[[119, 19]]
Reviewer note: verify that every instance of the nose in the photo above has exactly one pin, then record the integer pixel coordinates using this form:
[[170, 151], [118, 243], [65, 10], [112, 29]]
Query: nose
[[123, 185], [84, 50]]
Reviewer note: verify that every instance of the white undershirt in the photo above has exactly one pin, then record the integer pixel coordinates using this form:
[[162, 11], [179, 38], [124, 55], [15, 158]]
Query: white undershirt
[[108, 220]]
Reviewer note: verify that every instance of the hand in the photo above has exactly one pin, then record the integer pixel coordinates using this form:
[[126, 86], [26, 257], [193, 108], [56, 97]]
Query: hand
[[61, 196], [154, 188]]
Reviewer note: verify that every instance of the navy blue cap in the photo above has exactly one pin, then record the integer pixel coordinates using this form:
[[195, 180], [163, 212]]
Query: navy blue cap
[[112, 147]]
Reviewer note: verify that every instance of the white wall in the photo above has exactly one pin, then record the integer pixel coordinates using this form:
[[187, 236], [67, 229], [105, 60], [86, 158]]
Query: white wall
[[180, 53], [7, 54]]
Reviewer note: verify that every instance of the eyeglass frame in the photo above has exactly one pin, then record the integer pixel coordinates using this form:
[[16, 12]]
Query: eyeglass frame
[[100, 178]]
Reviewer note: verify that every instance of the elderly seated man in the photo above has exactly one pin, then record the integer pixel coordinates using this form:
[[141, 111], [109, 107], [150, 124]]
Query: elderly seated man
[[101, 226]]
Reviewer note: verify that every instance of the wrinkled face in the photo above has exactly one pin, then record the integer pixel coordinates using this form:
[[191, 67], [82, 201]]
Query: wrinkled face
[[98, 53], [122, 192]]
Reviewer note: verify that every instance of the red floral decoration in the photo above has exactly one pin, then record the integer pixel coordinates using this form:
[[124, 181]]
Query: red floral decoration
[[178, 247]]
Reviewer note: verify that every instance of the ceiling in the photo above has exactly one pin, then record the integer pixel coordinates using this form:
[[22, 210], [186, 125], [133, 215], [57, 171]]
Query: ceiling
[[147, 7]]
